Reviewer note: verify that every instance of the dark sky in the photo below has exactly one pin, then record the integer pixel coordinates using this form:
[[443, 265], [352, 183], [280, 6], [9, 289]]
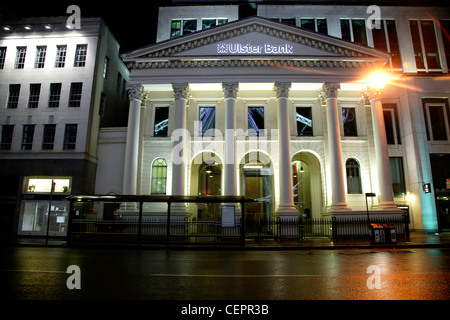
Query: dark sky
[[133, 23]]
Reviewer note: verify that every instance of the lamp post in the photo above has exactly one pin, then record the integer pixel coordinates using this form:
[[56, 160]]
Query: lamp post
[[369, 195], [52, 189]]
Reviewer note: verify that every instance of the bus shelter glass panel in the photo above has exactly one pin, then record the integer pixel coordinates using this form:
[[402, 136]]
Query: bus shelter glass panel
[[34, 213]]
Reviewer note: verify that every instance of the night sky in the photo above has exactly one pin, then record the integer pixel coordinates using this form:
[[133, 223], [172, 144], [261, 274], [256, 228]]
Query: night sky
[[134, 23]]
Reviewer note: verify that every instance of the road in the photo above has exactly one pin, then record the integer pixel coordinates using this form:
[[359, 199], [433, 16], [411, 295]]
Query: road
[[30, 273]]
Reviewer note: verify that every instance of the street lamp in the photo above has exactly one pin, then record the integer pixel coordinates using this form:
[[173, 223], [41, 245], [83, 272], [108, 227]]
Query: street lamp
[[369, 195]]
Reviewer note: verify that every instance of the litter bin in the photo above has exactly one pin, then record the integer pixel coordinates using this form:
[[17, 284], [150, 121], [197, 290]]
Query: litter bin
[[382, 233], [390, 233]]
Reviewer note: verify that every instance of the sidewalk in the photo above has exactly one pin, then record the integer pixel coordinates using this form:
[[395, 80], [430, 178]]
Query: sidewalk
[[416, 240]]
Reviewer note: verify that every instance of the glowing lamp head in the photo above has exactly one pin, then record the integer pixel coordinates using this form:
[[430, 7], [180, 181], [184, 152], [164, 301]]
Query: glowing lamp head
[[378, 80]]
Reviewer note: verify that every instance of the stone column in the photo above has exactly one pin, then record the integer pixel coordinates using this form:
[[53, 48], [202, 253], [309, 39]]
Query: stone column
[[230, 90], [136, 94], [179, 151], [338, 201], [386, 195], [286, 206]]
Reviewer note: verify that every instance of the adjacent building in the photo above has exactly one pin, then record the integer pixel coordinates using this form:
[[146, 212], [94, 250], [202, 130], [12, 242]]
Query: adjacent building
[[58, 87]]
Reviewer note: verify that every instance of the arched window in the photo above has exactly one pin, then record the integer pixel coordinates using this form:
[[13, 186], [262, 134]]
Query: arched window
[[353, 176], [159, 176]]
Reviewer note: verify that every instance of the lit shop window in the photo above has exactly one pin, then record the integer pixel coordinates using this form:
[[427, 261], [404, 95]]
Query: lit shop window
[[44, 185]]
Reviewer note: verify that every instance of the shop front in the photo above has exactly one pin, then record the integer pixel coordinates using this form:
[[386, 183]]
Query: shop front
[[44, 197]]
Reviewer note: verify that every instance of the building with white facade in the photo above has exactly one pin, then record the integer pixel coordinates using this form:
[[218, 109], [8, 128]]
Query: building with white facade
[[281, 107], [58, 86]]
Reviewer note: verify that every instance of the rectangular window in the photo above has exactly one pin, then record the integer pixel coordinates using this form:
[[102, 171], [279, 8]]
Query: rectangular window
[[70, 136], [175, 29], [60, 60], [354, 30], [189, 26], [349, 122], [445, 30], [2, 57], [398, 176], [304, 121], [437, 119], [180, 27], [27, 137], [7, 135], [35, 91], [55, 94], [255, 120], [101, 109], [118, 83], [20, 57], [385, 39], [161, 122], [40, 56], [75, 94], [288, 21], [13, 99], [48, 138], [391, 124], [315, 24], [80, 55], [425, 45], [207, 117]]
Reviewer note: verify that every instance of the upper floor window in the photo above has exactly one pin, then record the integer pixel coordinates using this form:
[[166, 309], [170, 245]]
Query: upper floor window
[[48, 138], [349, 122], [207, 119], [391, 123], [180, 27], [304, 121], [27, 136], [255, 120], [105, 68], [161, 122], [80, 55], [425, 46], [55, 94], [60, 60], [13, 98], [213, 22], [445, 30], [2, 57], [437, 119], [40, 56], [385, 39], [354, 30], [20, 57], [7, 135], [70, 136], [315, 24], [75, 94], [35, 91], [288, 21]]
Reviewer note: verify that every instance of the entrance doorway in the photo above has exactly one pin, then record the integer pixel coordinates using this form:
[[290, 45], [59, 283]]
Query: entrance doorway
[[257, 182], [306, 181]]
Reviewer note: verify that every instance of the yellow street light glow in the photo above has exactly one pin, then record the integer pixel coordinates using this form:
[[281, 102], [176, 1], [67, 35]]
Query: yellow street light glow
[[378, 80]]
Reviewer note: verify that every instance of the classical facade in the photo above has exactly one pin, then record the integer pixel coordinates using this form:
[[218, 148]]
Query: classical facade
[[284, 107]]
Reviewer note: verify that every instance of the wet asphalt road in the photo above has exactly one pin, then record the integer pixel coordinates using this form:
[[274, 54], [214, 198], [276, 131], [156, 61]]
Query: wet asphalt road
[[30, 273]]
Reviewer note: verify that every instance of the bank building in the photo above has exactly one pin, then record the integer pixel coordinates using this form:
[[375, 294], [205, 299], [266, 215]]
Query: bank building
[[317, 111]]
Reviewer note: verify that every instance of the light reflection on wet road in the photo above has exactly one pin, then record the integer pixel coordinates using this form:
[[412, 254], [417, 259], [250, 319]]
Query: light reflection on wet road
[[40, 273]]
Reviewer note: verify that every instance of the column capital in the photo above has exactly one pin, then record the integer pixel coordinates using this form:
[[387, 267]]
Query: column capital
[[135, 91], [282, 89], [329, 90], [181, 90], [371, 93], [230, 89]]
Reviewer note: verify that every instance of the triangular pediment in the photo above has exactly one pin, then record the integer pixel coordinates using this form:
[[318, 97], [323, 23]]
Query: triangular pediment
[[259, 38]]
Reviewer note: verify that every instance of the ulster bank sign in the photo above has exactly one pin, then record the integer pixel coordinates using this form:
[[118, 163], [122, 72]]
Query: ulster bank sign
[[248, 48]]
